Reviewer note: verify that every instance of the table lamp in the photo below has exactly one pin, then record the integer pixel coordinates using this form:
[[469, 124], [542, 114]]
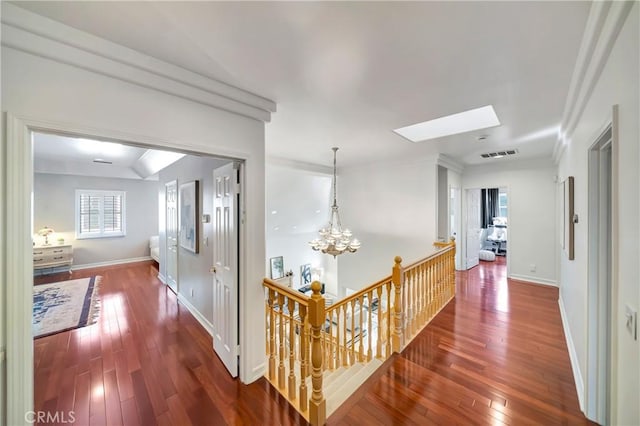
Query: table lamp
[[44, 232]]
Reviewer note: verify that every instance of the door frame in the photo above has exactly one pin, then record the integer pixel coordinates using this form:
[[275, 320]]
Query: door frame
[[19, 170], [602, 297], [457, 222], [463, 241]]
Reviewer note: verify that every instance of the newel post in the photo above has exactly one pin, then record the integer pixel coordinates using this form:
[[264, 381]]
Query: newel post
[[397, 278], [317, 403]]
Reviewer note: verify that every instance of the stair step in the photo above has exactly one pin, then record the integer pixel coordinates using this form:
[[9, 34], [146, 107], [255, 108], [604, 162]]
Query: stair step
[[343, 389], [337, 381]]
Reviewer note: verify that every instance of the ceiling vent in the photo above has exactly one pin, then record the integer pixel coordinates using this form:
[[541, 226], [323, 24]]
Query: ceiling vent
[[499, 154], [101, 161]]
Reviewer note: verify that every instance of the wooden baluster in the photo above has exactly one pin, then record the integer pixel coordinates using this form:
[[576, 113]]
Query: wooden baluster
[[272, 336], [422, 295], [304, 359], [281, 350], [352, 352], [361, 331], [429, 289], [369, 325], [338, 351], [292, 355], [413, 328], [380, 319], [345, 353], [389, 328], [397, 279], [330, 359], [317, 404]]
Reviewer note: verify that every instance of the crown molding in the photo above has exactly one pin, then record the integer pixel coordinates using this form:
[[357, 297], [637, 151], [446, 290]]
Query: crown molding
[[604, 23], [299, 165], [450, 163], [36, 35]]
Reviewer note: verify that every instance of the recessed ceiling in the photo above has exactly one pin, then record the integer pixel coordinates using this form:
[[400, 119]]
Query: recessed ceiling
[[347, 73]]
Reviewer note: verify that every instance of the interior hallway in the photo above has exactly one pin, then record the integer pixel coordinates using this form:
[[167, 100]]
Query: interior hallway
[[496, 354]]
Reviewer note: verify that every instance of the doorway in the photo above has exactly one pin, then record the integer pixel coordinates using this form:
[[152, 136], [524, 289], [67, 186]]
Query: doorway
[[20, 172], [600, 292]]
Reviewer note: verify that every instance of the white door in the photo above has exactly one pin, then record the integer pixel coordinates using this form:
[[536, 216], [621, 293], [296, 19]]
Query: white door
[[171, 268], [472, 257], [225, 265], [455, 218]]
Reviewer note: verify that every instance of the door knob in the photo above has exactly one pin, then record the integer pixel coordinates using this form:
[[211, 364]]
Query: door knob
[[213, 270]]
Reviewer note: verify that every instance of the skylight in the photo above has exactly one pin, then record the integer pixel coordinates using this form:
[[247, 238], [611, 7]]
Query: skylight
[[474, 119]]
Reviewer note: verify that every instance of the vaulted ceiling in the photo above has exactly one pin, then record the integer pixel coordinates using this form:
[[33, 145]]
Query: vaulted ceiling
[[347, 73]]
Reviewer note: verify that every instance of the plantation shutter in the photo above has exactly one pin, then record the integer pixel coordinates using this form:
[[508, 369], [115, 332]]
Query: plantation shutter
[[100, 214]]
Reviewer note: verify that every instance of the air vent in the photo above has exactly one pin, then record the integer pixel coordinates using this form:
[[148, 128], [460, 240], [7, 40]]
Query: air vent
[[101, 161], [499, 154]]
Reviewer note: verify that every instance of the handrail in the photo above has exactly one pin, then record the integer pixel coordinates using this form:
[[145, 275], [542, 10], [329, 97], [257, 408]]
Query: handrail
[[289, 292], [444, 248]]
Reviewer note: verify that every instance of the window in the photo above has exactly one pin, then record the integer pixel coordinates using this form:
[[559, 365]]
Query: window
[[502, 204], [100, 214]]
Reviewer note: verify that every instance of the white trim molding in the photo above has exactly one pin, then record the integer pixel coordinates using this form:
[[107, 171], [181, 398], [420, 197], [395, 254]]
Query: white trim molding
[[533, 280], [605, 22], [110, 263], [573, 355], [34, 34], [196, 314], [19, 272], [450, 163]]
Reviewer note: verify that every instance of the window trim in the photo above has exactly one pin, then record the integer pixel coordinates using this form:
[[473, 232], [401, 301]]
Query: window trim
[[102, 233]]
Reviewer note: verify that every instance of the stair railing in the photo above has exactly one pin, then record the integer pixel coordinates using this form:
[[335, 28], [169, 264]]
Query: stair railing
[[382, 318]]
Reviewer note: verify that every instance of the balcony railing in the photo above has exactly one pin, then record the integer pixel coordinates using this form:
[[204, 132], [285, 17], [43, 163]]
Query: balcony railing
[[305, 337]]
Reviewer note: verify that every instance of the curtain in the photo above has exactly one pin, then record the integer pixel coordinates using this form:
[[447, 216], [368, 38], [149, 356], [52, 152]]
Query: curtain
[[489, 205]]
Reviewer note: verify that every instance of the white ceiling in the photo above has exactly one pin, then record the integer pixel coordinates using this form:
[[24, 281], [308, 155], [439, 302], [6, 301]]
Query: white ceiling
[[347, 73], [66, 155]]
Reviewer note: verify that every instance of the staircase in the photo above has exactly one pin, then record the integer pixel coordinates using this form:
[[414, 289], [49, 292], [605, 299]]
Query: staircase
[[318, 354]]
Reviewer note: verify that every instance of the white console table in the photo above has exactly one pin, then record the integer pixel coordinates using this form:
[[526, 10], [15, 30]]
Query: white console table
[[52, 256]]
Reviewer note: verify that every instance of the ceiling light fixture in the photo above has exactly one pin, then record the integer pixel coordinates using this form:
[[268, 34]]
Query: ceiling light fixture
[[474, 119], [333, 240]]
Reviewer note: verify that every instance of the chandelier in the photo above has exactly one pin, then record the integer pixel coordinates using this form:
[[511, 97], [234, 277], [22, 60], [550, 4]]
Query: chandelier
[[333, 240]]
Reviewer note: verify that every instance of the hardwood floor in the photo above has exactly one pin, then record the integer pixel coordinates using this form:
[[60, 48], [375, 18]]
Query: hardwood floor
[[146, 361], [495, 355]]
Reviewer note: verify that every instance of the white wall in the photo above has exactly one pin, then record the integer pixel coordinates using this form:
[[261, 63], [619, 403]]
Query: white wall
[[193, 268], [618, 84], [532, 214], [41, 88], [391, 209], [54, 206], [300, 197]]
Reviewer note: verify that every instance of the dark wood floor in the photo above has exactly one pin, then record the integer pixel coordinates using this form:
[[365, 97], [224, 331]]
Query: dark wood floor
[[147, 361], [496, 354]]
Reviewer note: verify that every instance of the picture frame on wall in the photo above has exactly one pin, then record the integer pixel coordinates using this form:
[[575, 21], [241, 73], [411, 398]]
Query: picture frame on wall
[[189, 201], [305, 275], [277, 267], [568, 219]]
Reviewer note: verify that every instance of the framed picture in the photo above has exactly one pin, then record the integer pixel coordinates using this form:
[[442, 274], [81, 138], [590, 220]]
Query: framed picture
[[567, 221], [305, 274], [188, 198], [277, 268]]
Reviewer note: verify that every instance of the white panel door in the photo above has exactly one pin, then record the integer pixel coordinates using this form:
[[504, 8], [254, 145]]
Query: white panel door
[[472, 257], [171, 266], [225, 260]]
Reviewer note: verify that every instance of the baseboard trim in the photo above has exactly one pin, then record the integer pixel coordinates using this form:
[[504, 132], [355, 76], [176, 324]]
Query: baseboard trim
[[162, 279], [533, 280], [573, 356], [110, 263], [196, 314]]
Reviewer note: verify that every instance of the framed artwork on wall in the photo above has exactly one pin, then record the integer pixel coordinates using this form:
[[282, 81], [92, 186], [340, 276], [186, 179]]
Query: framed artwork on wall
[[277, 267], [305, 274], [568, 222], [189, 201]]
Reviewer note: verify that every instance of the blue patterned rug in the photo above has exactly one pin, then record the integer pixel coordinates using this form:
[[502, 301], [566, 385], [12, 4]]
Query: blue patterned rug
[[65, 305]]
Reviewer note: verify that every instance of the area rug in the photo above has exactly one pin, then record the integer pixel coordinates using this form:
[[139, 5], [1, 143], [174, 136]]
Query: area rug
[[65, 305]]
